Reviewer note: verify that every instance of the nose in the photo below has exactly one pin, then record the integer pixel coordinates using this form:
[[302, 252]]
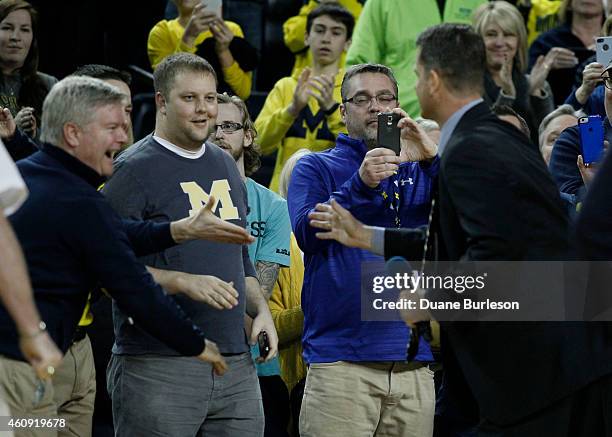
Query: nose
[[218, 132]]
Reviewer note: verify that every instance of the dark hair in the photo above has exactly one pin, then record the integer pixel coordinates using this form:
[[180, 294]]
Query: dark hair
[[33, 88], [171, 66], [457, 53], [335, 12], [507, 110], [366, 68], [103, 72], [252, 155]]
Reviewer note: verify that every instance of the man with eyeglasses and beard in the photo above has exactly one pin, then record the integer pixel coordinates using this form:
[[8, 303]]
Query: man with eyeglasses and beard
[[382, 189]]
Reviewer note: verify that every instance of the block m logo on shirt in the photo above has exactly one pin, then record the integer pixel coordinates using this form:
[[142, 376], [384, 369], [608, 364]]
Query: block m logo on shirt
[[220, 189]]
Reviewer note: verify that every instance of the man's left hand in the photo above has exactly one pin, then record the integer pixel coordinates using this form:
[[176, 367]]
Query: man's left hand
[[415, 143], [263, 322]]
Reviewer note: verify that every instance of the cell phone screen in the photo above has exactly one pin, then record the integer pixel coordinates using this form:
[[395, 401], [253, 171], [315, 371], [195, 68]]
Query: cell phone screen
[[213, 6]]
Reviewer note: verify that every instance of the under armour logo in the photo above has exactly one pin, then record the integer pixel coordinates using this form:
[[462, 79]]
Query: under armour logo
[[404, 181]]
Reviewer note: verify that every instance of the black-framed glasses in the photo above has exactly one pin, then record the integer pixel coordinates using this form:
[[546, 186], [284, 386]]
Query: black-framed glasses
[[383, 99], [229, 127], [607, 81]]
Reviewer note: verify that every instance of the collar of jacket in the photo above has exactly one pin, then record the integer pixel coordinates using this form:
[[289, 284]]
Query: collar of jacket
[[73, 165], [354, 147]]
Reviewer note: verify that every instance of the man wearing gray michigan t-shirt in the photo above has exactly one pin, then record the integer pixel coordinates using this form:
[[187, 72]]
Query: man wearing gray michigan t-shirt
[[167, 176]]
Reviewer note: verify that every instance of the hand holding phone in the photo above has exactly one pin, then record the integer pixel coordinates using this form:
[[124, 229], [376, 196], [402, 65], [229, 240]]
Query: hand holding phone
[[264, 344], [388, 135]]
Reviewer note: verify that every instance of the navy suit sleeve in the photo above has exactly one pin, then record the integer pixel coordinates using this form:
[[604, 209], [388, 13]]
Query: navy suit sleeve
[[20, 146], [147, 237], [563, 162], [108, 255]]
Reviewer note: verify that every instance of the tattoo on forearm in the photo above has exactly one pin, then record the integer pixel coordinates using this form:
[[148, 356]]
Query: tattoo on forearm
[[267, 272]]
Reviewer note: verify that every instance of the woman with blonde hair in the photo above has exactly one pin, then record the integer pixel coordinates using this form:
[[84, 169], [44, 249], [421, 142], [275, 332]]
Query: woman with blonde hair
[[503, 30]]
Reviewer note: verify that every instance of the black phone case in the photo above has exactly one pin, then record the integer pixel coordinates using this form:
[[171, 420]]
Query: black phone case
[[388, 132], [264, 344]]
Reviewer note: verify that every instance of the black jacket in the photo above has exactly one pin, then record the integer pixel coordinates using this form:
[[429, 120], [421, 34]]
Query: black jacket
[[497, 201]]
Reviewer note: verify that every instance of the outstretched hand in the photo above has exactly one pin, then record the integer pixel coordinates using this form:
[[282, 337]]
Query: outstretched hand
[[340, 225], [205, 225]]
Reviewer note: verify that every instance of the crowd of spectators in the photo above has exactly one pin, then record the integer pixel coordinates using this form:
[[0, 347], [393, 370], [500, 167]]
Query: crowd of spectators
[[203, 275]]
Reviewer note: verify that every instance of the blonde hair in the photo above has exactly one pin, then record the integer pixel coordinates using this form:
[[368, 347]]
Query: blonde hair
[[285, 176], [508, 17]]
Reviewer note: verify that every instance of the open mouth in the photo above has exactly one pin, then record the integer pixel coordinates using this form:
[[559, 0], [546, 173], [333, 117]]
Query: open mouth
[[110, 154]]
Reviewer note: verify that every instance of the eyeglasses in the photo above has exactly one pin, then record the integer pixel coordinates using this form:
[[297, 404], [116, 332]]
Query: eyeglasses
[[607, 80], [384, 99], [229, 127]]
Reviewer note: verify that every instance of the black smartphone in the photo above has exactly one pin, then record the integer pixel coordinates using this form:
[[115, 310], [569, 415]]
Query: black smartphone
[[388, 133], [264, 344]]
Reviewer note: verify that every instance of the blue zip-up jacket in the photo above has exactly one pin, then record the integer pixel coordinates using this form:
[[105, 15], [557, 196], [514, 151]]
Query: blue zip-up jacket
[[331, 293]]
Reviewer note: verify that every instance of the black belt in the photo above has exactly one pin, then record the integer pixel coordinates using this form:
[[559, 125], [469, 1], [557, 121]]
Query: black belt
[[79, 334]]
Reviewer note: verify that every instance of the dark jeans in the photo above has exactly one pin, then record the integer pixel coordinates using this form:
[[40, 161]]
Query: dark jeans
[[275, 398]]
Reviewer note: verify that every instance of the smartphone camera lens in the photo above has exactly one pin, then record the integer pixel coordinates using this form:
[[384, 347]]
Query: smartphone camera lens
[[389, 119], [606, 47]]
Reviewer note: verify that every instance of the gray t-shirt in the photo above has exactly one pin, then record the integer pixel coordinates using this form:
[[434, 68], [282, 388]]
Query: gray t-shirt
[[152, 182]]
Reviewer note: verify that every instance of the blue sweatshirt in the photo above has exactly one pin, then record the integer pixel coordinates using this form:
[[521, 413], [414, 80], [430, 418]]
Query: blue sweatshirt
[[331, 293], [73, 242]]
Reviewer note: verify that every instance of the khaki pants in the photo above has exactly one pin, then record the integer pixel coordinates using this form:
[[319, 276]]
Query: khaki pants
[[74, 384], [367, 399], [4, 409], [20, 385]]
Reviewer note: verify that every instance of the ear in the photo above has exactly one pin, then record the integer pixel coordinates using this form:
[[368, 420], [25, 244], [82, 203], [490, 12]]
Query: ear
[[343, 112], [160, 103], [248, 138], [72, 133], [306, 34], [434, 81], [347, 44]]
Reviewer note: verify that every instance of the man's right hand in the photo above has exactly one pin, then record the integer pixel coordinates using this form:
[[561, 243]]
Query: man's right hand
[[7, 124], [41, 352], [301, 93], [212, 355], [378, 164]]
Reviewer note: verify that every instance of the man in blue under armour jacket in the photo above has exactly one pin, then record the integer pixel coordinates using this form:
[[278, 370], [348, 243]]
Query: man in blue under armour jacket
[[359, 382]]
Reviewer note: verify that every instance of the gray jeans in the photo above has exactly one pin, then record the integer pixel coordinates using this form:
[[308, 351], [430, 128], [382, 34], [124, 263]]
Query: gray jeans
[[181, 396]]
